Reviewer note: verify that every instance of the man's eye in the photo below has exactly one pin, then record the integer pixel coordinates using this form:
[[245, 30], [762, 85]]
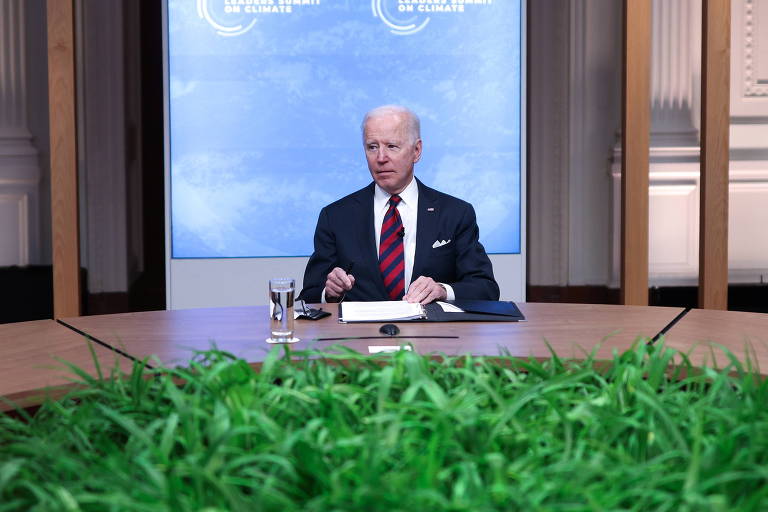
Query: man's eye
[[372, 147], [392, 146]]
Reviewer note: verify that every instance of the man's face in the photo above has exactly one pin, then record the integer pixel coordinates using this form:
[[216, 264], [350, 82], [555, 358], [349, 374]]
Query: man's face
[[390, 151]]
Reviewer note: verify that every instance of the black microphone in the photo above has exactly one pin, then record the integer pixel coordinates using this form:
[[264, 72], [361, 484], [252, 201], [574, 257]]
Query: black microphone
[[401, 233]]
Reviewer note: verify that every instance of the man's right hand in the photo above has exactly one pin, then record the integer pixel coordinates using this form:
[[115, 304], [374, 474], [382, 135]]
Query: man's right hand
[[337, 284]]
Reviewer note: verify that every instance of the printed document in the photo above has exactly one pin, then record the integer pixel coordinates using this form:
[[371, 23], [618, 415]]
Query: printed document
[[380, 311]]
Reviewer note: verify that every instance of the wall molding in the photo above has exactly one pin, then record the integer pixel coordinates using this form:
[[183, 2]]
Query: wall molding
[[674, 203], [749, 62], [753, 84], [20, 202]]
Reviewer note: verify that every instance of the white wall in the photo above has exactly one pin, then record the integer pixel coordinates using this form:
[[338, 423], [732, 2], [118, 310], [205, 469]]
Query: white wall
[[574, 121], [674, 155], [20, 169]]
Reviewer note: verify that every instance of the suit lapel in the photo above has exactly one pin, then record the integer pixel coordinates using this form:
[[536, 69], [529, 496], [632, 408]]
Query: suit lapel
[[426, 229]]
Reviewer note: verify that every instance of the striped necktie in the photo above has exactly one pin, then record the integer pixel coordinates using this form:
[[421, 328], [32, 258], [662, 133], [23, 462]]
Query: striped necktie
[[391, 253]]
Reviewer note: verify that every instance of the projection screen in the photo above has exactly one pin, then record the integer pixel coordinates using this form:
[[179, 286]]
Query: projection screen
[[264, 100]]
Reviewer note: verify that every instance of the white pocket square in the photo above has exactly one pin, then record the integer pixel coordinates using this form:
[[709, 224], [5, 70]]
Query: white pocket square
[[440, 243]]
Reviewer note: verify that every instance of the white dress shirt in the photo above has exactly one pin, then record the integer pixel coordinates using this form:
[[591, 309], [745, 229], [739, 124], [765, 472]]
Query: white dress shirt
[[408, 208]]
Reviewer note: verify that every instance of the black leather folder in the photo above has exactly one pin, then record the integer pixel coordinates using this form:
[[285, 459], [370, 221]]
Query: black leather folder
[[475, 311]]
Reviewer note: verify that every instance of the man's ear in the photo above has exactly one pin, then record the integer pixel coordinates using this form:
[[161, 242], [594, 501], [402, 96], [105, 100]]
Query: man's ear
[[417, 151]]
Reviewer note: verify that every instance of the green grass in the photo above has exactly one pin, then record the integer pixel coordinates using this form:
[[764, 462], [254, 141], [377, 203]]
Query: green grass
[[397, 432]]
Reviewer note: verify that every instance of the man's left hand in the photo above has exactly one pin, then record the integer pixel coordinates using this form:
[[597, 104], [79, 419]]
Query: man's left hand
[[425, 290]]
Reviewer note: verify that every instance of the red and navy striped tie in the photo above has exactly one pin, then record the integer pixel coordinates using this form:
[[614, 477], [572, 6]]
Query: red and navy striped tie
[[391, 254]]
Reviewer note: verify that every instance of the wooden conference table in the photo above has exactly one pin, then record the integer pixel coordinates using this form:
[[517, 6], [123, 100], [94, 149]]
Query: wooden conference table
[[28, 365], [702, 333], [32, 363], [571, 330]]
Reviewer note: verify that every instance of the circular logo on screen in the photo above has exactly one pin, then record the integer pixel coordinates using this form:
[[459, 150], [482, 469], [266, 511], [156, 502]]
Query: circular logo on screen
[[401, 18], [227, 19]]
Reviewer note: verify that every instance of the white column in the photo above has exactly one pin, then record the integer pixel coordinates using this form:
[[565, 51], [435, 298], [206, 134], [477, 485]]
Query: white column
[[675, 65], [674, 151], [19, 162], [674, 158]]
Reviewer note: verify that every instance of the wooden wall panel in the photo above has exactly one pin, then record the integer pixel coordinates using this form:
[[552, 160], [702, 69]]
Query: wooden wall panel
[[63, 133], [635, 134], [715, 124]]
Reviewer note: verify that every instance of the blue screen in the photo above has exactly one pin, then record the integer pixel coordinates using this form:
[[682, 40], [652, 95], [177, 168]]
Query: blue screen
[[267, 96]]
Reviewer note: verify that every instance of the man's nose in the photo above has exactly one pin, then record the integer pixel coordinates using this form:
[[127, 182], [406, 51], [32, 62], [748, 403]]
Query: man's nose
[[381, 155]]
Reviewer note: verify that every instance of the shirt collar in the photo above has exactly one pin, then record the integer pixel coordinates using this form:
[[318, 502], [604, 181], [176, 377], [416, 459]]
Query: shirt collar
[[409, 195]]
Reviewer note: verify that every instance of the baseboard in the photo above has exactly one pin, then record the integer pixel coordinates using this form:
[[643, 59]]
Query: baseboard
[[741, 297], [574, 294], [107, 303]]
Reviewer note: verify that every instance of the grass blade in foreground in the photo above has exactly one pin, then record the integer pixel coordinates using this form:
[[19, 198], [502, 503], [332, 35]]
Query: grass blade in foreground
[[463, 433]]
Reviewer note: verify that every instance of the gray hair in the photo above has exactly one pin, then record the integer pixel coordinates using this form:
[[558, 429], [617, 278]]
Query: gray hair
[[413, 125]]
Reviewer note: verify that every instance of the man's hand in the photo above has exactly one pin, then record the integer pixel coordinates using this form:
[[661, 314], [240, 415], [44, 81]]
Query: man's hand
[[425, 290], [337, 284]]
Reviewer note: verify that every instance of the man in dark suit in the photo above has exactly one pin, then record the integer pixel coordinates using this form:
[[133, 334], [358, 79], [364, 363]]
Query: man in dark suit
[[397, 238]]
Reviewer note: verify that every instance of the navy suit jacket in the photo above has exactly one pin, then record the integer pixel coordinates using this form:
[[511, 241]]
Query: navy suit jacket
[[345, 234]]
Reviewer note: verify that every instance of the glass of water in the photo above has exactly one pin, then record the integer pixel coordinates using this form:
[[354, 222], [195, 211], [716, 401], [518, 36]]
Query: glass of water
[[281, 292]]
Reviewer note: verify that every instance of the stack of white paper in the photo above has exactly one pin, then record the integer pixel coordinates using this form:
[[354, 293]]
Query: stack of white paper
[[381, 311]]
